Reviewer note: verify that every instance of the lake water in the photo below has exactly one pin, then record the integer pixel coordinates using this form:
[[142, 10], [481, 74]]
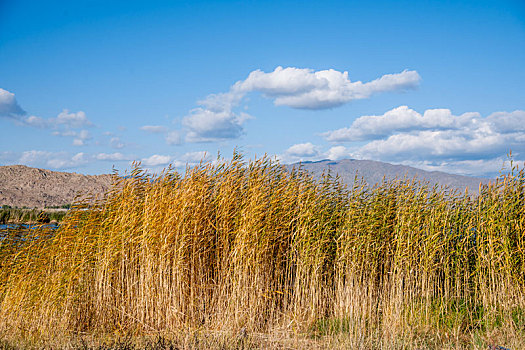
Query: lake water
[[27, 226]]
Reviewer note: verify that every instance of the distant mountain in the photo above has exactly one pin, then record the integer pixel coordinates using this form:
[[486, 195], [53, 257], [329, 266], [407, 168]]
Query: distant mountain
[[373, 172], [22, 186]]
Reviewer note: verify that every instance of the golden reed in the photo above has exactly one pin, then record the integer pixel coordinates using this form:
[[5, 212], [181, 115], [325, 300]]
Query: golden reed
[[251, 248]]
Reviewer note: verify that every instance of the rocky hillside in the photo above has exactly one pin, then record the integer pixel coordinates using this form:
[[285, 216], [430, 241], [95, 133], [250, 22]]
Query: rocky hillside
[[373, 172], [22, 186]]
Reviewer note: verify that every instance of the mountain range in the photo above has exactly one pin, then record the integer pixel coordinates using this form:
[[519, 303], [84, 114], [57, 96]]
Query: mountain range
[[374, 172], [22, 186]]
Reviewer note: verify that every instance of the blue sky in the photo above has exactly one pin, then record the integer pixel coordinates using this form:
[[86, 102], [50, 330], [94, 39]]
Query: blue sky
[[88, 85]]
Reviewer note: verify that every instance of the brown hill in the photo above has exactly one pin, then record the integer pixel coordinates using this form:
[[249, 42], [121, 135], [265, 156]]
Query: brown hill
[[22, 186]]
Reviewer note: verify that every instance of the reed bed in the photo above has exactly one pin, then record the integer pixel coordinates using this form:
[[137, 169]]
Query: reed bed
[[247, 254], [29, 216]]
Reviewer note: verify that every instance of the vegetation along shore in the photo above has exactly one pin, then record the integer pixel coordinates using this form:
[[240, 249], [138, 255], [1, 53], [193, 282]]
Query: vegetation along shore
[[10, 215], [250, 255]]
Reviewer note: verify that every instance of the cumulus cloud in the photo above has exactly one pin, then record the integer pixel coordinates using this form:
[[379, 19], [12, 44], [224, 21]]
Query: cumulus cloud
[[401, 119], [309, 152], [9, 107], [507, 122], [71, 119], [403, 133], [432, 144], [216, 119], [437, 139], [303, 150], [309, 89], [207, 125], [156, 160], [467, 144], [338, 152]]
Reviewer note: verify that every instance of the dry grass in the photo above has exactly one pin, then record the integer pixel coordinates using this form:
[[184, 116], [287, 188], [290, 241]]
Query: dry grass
[[246, 255]]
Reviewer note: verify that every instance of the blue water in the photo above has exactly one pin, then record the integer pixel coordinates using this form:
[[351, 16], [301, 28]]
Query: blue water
[[27, 226]]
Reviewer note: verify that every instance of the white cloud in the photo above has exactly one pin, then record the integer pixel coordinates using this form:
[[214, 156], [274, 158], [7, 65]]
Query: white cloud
[[337, 153], [508, 122], [80, 137], [467, 144], [309, 89], [58, 160], [84, 135], [310, 152], [173, 138], [154, 129], [303, 150], [115, 142], [476, 167], [216, 120], [299, 88], [400, 119], [207, 125], [117, 156], [437, 139], [156, 160], [404, 119], [53, 160], [489, 167], [432, 144], [71, 120], [196, 157], [9, 107], [300, 152], [36, 122], [65, 120]]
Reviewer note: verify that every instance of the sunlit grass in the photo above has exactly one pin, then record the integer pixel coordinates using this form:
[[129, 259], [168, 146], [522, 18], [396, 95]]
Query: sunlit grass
[[248, 249]]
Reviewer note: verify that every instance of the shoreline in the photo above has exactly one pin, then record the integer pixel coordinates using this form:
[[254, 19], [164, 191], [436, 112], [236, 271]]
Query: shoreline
[[32, 216]]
